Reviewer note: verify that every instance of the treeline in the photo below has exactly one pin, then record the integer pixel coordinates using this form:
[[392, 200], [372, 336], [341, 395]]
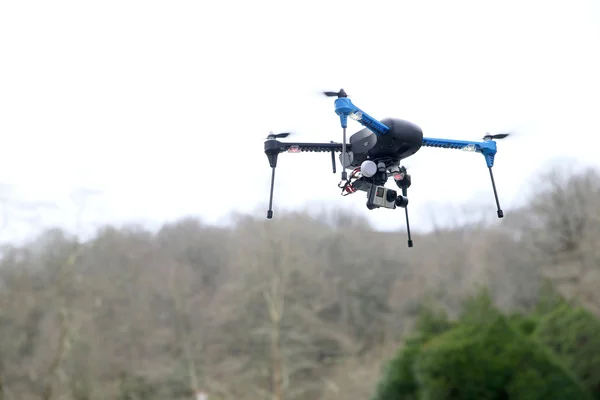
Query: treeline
[[301, 307]]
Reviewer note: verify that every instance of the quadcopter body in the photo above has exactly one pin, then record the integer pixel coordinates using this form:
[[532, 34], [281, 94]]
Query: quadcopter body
[[374, 155], [402, 141]]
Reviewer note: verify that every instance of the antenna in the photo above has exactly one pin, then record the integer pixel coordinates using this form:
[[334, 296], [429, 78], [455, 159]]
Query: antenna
[[409, 241], [333, 158], [344, 173], [341, 95], [404, 183]]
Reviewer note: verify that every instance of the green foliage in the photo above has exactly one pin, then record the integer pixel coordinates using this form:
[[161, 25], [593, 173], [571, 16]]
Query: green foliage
[[400, 382], [551, 353], [548, 299], [432, 321], [495, 362], [524, 324], [478, 309], [135, 388], [573, 334]]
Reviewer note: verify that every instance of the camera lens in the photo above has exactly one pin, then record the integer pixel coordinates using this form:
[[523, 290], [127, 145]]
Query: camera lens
[[391, 195], [401, 201]]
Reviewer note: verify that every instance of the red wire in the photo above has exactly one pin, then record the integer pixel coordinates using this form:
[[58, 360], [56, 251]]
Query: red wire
[[349, 188]]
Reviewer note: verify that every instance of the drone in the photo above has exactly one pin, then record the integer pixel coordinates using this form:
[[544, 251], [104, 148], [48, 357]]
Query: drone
[[374, 153]]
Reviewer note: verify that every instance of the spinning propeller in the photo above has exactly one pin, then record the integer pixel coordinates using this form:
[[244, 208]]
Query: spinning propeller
[[340, 94], [278, 135], [489, 136]]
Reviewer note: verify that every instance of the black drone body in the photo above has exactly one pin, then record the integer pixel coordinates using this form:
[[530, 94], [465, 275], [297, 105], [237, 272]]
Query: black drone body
[[402, 141], [374, 154]]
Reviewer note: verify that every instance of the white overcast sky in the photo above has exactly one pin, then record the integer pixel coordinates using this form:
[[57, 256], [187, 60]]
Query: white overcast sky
[[163, 106]]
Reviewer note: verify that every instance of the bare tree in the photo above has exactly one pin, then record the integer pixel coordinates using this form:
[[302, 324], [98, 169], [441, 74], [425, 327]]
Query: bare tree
[[275, 299], [562, 220], [64, 293]]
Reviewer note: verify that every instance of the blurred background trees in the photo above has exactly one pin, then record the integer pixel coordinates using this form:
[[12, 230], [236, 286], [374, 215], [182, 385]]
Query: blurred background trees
[[310, 307]]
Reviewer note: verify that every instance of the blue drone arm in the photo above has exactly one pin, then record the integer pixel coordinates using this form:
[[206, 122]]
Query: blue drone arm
[[344, 108], [487, 148]]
